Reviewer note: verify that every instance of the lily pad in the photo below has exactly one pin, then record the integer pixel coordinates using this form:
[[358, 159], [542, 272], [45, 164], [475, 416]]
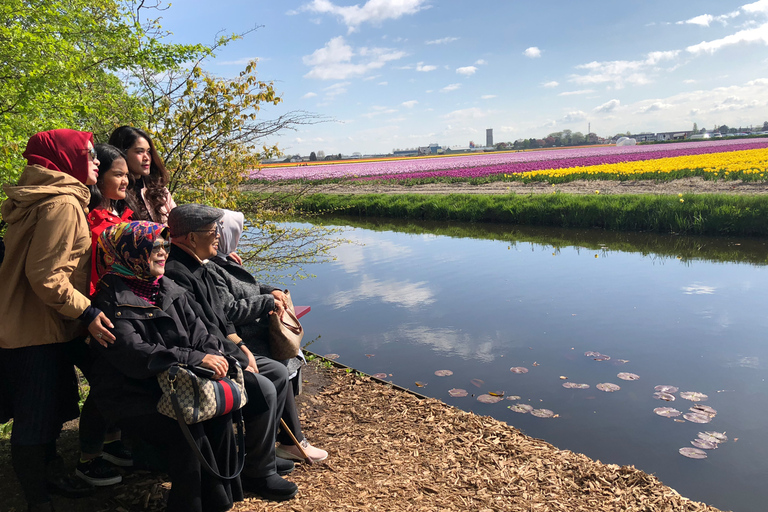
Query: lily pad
[[512, 397], [575, 385], [521, 408], [608, 387], [457, 392], [704, 445], [693, 453], [694, 396], [369, 355], [331, 356], [380, 375], [704, 409], [420, 384], [489, 399], [628, 376], [477, 383], [542, 413], [664, 396], [518, 369], [697, 417], [665, 389], [443, 373], [667, 412], [715, 437]]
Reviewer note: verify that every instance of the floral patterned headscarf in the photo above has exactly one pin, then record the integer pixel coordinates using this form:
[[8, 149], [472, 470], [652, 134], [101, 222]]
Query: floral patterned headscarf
[[124, 250]]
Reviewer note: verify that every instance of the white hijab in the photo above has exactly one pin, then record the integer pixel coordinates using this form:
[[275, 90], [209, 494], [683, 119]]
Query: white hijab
[[230, 230]]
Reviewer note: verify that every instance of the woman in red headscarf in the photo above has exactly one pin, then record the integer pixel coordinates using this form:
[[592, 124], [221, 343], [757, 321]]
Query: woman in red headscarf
[[44, 305]]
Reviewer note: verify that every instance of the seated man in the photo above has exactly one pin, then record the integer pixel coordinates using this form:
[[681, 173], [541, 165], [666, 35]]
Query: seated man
[[193, 234]]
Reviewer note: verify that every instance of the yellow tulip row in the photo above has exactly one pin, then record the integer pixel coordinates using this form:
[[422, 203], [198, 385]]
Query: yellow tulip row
[[751, 165]]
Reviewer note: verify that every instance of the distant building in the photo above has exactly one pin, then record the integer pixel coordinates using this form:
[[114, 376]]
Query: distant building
[[489, 138]]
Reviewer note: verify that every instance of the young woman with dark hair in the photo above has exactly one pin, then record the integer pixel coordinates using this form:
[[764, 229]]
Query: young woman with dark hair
[[150, 176]]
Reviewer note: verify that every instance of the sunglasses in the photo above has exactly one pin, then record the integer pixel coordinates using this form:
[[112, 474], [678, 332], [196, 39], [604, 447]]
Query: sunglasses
[[91, 154], [166, 246]]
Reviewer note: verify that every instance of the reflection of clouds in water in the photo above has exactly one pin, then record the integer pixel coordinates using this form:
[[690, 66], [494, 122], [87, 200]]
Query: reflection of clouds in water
[[365, 249], [699, 289], [448, 340], [401, 293], [722, 318], [745, 362]]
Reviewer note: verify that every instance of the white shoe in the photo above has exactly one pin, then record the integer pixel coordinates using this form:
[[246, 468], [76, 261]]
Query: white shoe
[[291, 452]]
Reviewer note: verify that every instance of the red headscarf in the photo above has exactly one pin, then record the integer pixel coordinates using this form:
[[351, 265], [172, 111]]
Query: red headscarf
[[61, 150]]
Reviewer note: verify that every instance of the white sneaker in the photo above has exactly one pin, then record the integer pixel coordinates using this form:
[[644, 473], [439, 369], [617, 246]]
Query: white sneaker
[[292, 452]]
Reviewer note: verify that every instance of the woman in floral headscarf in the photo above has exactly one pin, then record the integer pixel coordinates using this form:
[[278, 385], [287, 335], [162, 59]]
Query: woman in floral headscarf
[[44, 306], [156, 328]]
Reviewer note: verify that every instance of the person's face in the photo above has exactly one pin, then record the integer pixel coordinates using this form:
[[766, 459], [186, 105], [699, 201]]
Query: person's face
[[139, 158], [205, 241], [93, 165], [115, 181], [158, 256]]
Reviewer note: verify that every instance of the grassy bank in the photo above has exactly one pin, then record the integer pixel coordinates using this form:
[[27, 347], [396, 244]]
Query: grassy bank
[[705, 214]]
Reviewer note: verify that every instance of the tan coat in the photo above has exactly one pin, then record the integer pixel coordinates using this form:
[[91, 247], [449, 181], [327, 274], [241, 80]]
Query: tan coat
[[44, 276]]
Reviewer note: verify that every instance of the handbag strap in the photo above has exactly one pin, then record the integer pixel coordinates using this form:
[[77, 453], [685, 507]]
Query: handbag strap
[[191, 441]]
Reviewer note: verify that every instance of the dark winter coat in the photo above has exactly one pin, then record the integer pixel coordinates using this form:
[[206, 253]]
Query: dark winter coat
[[150, 339]]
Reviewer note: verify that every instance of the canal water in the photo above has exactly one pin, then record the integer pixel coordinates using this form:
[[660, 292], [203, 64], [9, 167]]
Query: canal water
[[411, 299]]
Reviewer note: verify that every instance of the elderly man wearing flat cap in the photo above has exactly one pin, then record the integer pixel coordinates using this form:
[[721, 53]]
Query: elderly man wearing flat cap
[[195, 238]]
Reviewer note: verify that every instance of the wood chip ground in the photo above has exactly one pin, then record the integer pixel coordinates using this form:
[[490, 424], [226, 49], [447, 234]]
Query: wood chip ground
[[391, 451]]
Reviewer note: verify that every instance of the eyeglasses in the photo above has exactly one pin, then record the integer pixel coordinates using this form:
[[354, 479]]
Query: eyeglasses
[[166, 246], [91, 154], [209, 232]]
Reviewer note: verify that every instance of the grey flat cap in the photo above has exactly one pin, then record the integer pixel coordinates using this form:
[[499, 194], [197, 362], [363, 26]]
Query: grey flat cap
[[191, 217]]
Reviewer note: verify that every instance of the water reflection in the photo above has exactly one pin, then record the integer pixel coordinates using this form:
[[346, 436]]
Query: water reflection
[[411, 299]]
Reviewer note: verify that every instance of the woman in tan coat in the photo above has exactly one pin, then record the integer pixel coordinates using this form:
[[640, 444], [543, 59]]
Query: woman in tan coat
[[44, 306]]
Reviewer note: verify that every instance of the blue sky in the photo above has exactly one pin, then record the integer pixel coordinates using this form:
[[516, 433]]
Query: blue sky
[[403, 73]]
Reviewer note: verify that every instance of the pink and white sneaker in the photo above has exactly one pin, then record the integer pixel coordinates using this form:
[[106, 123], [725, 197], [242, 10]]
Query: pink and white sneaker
[[291, 452]]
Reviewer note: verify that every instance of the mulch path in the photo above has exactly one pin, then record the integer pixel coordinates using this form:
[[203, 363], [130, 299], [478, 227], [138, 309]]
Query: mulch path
[[392, 451]]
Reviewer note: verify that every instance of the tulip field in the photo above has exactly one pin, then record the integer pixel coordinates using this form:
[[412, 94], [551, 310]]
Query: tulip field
[[745, 159]]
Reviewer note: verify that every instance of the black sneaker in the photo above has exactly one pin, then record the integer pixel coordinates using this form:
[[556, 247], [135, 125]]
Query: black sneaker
[[284, 466], [116, 453], [272, 487], [98, 472]]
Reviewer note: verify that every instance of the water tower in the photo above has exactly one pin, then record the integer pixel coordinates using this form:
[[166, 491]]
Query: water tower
[[489, 138]]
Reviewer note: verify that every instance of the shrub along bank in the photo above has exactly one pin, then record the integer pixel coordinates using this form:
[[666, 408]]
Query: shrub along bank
[[700, 214]]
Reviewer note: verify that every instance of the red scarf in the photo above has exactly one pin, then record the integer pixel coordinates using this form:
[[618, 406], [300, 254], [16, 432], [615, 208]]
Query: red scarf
[[61, 150]]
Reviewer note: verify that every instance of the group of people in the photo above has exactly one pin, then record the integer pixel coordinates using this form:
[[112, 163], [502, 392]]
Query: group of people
[[105, 272]]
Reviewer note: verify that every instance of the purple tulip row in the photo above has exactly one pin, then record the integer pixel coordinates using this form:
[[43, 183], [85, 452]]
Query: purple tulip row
[[485, 164]]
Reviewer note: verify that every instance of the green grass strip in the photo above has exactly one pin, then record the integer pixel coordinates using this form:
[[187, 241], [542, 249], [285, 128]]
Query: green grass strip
[[700, 214]]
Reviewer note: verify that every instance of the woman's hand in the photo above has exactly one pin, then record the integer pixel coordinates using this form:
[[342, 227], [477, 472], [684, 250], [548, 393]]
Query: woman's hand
[[99, 331], [236, 258], [218, 364], [251, 360], [280, 303]]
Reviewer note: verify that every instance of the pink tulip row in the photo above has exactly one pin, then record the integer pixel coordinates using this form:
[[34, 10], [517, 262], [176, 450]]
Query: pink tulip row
[[485, 164]]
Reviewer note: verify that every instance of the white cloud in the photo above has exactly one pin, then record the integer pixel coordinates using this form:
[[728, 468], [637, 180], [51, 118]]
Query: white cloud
[[481, 62], [622, 72], [239, 62], [577, 93], [574, 117], [460, 116], [410, 103], [532, 52], [383, 83], [421, 67], [444, 40], [761, 7], [373, 11], [655, 107], [336, 90], [550, 84], [309, 95], [451, 87], [704, 20], [467, 70], [378, 111], [608, 106], [747, 36], [334, 60], [487, 96]]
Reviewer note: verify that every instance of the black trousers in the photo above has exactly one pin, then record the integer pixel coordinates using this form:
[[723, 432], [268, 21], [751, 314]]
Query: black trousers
[[192, 488], [276, 372]]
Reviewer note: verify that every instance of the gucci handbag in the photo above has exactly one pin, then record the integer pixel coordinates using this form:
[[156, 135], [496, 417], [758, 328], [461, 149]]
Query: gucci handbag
[[285, 333], [190, 395]]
